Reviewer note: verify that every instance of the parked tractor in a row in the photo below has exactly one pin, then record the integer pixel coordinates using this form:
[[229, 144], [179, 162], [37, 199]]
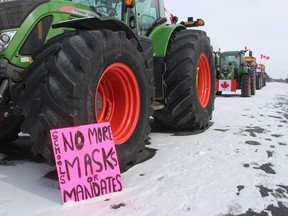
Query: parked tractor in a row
[[235, 71], [73, 62]]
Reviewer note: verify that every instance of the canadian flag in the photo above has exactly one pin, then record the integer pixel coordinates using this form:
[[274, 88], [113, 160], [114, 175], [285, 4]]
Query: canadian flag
[[265, 57], [225, 85]]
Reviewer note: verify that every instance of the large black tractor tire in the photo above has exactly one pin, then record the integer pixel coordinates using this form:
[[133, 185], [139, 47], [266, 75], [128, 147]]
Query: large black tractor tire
[[253, 83], [264, 82], [258, 83], [245, 85], [93, 76], [189, 82]]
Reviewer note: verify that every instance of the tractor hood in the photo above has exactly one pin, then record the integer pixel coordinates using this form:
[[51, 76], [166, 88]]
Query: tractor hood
[[13, 12]]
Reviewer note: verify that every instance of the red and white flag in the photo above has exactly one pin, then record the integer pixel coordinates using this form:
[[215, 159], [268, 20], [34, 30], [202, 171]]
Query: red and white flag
[[265, 57], [226, 85], [257, 65]]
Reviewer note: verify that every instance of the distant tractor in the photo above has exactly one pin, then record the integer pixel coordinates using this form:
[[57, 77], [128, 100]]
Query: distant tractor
[[263, 75], [235, 73], [68, 63], [260, 77]]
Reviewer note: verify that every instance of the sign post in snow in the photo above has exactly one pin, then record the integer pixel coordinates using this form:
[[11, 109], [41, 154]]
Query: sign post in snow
[[86, 161]]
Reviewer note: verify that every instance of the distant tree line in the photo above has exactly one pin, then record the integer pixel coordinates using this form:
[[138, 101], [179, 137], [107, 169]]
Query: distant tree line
[[280, 80], [270, 79]]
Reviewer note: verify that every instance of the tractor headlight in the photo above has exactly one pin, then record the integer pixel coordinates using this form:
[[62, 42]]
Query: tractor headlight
[[5, 39]]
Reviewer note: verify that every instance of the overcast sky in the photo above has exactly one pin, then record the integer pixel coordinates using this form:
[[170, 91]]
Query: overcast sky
[[261, 25]]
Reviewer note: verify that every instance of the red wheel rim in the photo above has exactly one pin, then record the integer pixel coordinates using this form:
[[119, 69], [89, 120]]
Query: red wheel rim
[[204, 80], [117, 100]]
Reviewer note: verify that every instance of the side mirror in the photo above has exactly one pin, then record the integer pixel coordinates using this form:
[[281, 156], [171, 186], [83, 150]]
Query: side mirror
[[174, 20]]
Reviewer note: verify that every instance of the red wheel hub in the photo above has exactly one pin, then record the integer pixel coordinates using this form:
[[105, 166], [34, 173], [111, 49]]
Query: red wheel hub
[[204, 80], [117, 100]]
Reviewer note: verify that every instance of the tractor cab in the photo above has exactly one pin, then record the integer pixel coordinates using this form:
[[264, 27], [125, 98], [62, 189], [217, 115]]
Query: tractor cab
[[150, 13], [229, 64], [140, 15]]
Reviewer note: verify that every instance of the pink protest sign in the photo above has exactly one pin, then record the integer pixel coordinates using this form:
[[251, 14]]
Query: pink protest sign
[[86, 161]]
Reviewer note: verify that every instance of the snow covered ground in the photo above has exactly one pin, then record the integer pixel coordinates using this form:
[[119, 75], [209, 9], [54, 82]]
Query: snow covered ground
[[237, 167]]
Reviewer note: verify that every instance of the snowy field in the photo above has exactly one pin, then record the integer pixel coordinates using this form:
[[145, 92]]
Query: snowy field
[[238, 167]]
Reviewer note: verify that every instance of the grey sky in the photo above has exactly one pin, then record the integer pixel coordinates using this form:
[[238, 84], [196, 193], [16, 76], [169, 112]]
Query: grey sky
[[261, 25]]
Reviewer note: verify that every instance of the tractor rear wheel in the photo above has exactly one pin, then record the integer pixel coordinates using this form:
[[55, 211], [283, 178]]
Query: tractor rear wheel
[[245, 85], [258, 82], [264, 82], [253, 83], [189, 82], [94, 76]]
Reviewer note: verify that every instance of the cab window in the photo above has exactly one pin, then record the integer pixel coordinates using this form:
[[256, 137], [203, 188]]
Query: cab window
[[112, 8], [147, 14]]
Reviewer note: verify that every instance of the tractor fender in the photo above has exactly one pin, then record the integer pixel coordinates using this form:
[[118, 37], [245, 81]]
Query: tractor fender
[[245, 70], [97, 23], [160, 38]]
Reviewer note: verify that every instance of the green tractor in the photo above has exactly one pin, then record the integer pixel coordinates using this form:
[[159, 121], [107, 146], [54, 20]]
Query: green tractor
[[235, 73], [68, 63]]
